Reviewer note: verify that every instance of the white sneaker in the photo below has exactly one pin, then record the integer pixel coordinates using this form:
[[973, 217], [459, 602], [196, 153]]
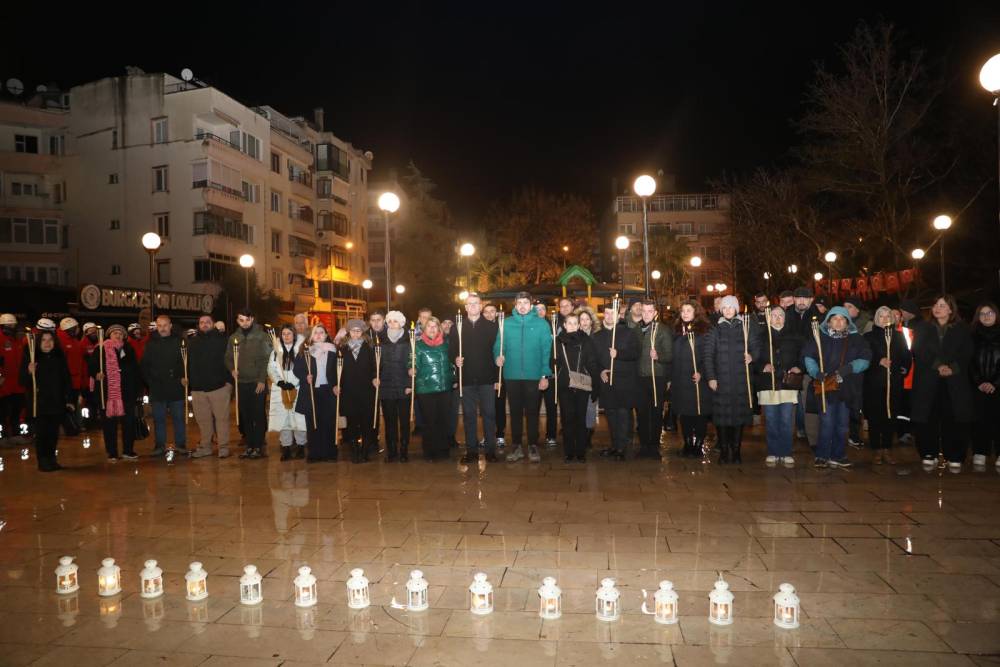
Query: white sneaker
[[788, 460], [929, 463], [979, 460], [501, 443], [515, 455], [551, 442], [771, 460], [955, 466], [533, 454]]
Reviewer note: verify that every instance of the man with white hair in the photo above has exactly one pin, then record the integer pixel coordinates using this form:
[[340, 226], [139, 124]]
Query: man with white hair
[[302, 329], [394, 387]]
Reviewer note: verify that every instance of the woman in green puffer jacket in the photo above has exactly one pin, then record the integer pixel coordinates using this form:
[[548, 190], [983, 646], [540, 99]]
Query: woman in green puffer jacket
[[434, 378]]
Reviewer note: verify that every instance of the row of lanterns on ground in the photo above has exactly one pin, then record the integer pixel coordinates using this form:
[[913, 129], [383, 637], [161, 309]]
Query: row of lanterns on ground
[[607, 603]]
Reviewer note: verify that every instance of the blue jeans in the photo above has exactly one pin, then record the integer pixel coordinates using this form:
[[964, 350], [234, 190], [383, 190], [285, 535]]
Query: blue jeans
[[833, 425], [176, 410], [481, 398], [779, 420]]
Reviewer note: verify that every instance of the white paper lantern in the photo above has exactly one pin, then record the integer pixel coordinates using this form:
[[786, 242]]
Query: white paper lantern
[[664, 604], [416, 592], [196, 582], [358, 593], [151, 580], [786, 607], [549, 599], [606, 603], [305, 587], [67, 576], [720, 604], [480, 595], [109, 578], [251, 591]]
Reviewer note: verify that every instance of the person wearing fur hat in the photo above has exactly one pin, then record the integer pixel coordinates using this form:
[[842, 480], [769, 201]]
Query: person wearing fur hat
[[356, 391], [690, 397], [985, 375], [316, 368], [883, 383], [49, 396], [942, 409], [282, 417], [11, 391], [726, 367], [122, 383], [845, 356], [394, 387]]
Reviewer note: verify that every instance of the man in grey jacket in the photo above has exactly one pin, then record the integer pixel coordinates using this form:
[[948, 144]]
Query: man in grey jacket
[[251, 380]]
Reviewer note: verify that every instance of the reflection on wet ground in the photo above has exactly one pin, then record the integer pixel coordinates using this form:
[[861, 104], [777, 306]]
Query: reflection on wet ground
[[890, 569]]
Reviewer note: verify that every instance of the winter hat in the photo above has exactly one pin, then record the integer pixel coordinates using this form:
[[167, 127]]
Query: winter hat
[[730, 301], [45, 324], [910, 306], [804, 292], [355, 324], [838, 310], [396, 316], [68, 323], [8, 320], [87, 326], [821, 300], [854, 301], [132, 327], [118, 327]]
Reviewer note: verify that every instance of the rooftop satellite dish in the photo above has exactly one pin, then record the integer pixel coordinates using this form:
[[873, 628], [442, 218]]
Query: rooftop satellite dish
[[187, 74], [41, 88], [14, 86]]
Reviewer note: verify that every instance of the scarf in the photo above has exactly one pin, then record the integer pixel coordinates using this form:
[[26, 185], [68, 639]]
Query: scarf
[[838, 334], [432, 342], [114, 406], [320, 350], [355, 346], [394, 334]]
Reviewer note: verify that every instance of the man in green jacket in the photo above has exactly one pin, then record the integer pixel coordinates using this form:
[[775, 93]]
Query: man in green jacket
[[525, 359], [654, 371], [251, 380]]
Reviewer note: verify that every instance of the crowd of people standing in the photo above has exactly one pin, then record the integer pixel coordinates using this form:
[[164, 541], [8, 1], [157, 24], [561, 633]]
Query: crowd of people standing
[[808, 370]]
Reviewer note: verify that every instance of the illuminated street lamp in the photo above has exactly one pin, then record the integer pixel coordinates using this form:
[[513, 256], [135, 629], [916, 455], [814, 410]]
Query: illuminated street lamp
[[463, 295], [917, 253], [388, 202], [467, 251], [793, 269], [817, 276], [366, 284], [655, 275], [830, 257], [989, 78], [400, 289], [645, 186], [622, 244], [942, 223], [151, 242], [246, 261]]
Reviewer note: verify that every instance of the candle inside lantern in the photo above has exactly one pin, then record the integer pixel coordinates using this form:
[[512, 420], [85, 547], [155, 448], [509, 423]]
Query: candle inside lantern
[[721, 603], [416, 590], [108, 578], [196, 581], [151, 580], [305, 587], [786, 607], [358, 596], [550, 599], [481, 595], [66, 576]]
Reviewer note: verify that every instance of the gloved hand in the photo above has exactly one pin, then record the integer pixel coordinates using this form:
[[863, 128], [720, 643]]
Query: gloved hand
[[820, 375], [845, 370], [287, 386]]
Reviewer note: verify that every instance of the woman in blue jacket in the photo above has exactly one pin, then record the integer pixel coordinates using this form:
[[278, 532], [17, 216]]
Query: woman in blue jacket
[[846, 355]]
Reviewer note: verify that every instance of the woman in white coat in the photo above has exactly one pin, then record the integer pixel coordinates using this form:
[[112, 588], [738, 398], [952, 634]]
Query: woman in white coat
[[282, 417]]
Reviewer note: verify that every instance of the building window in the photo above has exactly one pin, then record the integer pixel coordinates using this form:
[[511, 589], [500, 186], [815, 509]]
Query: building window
[[275, 163], [276, 280], [112, 179], [298, 247], [163, 271], [628, 230], [251, 192], [682, 228], [25, 143], [57, 145], [58, 193], [246, 143], [275, 242], [163, 225], [324, 188], [276, 202], [115, 225], [293, 209], [114, 139], [116, 269], [218, 224], [713, 252], [160, 131], [160, 179], [340, 259]]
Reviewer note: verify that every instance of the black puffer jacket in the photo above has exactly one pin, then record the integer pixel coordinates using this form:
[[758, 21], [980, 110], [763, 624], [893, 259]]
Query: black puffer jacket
[[207, 361], [395, 365], [625, 391], [986, 356], [684, 397], [54, 383], [163, 368], [724, 363], [874, 400]]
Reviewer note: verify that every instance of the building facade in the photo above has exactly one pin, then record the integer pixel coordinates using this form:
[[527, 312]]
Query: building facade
[[698, 220]]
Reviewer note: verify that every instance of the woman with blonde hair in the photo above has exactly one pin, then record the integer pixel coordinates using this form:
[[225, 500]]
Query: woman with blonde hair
[[589, 322], [883, 384]]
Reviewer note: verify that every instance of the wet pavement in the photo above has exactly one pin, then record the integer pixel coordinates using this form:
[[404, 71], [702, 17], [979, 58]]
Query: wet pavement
[[891, 569]]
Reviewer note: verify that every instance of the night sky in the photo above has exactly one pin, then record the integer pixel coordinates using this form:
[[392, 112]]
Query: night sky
[[487, 98]]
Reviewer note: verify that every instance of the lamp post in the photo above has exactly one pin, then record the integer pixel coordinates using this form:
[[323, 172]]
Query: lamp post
[[246, 261], [767, 283], [565, 250], [942, 223], [645, 186], [388, 202], [656, 275], [830, 257], [400, 289], [989, 78], [695, 262], [151, 242], [816, 278], [366, 285], [467, 251], [622, 244]]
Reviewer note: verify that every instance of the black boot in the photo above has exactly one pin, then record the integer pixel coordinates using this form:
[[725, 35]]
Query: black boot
[[299, 452], [737, 442], [723, 435], [390, 454], [286, 453]]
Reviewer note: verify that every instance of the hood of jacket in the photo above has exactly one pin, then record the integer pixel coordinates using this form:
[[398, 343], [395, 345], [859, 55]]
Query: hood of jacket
[[838, 310]]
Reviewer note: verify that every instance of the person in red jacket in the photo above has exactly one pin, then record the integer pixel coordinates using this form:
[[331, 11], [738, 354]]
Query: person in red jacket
[[11, 391], [137, 339], [87, 395], [73, 350]]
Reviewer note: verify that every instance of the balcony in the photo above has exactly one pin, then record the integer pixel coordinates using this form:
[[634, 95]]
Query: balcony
[[209, 223], [218, 194], [657, 203], [216, 139]]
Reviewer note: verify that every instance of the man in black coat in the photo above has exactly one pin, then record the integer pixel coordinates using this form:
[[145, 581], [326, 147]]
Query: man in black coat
[[798, 320], [209, 381], [620, 397], [163, 370], [479, 377]]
